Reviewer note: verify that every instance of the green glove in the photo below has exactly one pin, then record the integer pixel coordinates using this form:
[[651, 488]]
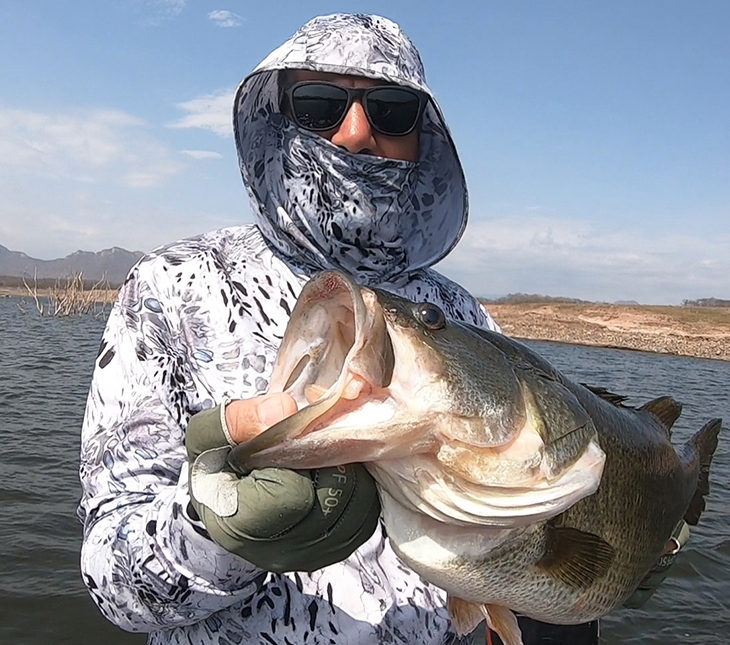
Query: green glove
[[278, 519]]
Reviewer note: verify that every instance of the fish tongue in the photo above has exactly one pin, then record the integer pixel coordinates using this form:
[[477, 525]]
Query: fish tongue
[[467, 615], [354, 386], [314, 392]]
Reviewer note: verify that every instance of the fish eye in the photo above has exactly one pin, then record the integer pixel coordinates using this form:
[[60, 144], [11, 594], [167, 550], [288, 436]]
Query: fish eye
[[431, 316]]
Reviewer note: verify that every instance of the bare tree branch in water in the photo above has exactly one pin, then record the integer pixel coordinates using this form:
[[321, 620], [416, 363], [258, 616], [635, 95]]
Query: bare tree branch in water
[[72, 296]]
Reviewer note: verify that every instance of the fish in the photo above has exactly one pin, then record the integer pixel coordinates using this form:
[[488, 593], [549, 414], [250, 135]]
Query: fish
[[503, 482]]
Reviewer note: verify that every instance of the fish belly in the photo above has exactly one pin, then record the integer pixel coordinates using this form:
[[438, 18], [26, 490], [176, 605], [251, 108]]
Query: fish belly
[[487, 566]]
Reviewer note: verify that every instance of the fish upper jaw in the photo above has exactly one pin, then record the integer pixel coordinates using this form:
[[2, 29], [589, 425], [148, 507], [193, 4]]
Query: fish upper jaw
[[336, 332]]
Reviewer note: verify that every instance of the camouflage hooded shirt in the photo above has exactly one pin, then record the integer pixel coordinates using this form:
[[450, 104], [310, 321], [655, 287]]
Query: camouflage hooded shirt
[[201, 320]]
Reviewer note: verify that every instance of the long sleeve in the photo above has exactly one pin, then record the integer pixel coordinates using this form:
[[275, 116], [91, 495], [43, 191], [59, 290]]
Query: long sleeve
[[147, 563], [197, 322]]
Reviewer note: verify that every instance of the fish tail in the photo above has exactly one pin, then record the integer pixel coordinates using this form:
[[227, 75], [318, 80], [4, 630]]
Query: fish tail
[[702, 444]]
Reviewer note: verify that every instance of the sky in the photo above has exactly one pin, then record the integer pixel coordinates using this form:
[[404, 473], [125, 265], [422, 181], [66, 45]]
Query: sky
[[595, 135]]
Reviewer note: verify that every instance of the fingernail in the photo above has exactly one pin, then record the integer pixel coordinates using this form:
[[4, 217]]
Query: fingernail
[[270, 410]]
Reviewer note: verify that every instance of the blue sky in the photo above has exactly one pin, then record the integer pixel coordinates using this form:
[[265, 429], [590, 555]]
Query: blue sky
[[595, 136]]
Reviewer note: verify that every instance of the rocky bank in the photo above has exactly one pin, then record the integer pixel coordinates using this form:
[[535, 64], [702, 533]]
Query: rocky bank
[[703, 332]]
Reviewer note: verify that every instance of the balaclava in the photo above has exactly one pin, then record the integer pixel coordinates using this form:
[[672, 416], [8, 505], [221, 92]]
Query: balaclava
[[322, 207]]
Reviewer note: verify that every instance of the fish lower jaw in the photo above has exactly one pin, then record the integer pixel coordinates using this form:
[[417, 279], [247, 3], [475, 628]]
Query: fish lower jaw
[[436, 544], [373, 413]]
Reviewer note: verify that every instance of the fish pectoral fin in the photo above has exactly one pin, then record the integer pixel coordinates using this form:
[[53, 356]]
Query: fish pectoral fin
[[467, 615], [575, 557]]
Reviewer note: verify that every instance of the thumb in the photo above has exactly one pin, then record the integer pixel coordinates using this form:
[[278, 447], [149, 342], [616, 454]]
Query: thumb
[[247, 418]]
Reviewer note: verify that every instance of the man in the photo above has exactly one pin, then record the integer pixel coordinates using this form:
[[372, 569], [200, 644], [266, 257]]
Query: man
[[349, 165]]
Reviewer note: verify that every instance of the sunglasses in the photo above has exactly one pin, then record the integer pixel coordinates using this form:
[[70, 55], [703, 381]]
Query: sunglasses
[[391, 110]]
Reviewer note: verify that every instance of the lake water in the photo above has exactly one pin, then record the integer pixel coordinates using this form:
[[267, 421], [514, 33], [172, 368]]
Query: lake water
[[45, 368]]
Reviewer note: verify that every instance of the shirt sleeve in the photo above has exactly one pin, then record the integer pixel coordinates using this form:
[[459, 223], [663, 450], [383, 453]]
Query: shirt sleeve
[[488, 321], [463, 304], [146, 558]]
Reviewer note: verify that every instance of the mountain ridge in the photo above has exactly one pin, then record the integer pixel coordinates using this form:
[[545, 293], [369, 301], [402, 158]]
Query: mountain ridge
[[111, 264]]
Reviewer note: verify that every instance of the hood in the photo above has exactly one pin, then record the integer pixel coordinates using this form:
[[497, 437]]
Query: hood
[[322, 207]]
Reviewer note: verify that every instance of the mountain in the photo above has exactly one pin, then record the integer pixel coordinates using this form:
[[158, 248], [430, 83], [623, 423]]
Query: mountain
[[110, 264], [532, 298], [706, 302]]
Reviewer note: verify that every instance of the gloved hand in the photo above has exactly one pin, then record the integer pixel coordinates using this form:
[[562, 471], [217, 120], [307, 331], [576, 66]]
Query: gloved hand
[[659, 571], [277, 519]]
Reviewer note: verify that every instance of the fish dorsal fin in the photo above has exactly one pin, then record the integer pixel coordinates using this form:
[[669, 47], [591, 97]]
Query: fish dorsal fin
[[616, 399], [665, 408], [575, 557]]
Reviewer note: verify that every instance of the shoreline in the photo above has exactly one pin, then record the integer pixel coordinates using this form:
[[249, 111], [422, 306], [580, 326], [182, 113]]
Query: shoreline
[[105, 296], [698, 332]]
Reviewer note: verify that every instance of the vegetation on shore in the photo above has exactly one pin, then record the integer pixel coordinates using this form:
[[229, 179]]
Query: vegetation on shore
[[536, 298], [62, 297], [523, 298], [699, 328], [706, 302]]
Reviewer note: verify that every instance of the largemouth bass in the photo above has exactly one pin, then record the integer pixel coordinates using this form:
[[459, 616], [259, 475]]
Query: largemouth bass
[[502, 482]]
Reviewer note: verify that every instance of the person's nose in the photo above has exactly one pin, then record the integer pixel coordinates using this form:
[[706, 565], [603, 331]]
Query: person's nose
[[355, 133]]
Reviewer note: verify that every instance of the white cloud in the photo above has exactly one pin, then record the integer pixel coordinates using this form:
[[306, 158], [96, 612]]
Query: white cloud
[[155, 12], [225, 18], [90, 147], [564, 257], [54, 218], [202, 154], [212, 112], [170, 7]]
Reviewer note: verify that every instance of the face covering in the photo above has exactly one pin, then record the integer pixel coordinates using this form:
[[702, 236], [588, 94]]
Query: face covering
[[347, 211]]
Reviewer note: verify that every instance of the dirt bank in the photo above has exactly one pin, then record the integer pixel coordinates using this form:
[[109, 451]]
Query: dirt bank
[[108, 296], [702, 332]]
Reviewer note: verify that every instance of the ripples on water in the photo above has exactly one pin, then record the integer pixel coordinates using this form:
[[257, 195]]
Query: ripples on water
[[45, 368]]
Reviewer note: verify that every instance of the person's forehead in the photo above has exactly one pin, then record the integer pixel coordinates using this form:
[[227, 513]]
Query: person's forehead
[[346, 80]]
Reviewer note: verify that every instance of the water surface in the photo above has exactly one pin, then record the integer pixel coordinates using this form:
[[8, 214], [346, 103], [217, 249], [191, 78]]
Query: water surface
[[45, 368]]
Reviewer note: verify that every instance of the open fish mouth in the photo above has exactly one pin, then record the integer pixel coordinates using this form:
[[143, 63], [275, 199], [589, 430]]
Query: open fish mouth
[[440, 416], [336, 361]]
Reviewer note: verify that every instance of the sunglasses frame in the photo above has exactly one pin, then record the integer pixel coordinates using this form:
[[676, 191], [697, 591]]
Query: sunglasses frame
[[354, 93]]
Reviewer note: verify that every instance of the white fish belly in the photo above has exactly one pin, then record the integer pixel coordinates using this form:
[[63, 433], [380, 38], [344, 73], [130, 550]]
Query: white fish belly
[[486, 565]]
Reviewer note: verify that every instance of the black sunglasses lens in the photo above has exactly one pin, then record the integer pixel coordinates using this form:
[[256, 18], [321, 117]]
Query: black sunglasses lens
[[393, 110], [318, 107]]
